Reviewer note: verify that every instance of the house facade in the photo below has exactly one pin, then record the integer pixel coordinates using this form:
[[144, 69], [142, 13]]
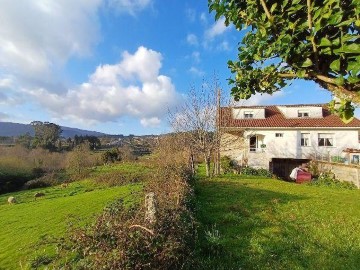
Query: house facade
[[257, 135]]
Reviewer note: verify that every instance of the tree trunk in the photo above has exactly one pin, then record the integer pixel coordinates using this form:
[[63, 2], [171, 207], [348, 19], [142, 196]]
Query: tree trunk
[[207, 165], [192, 164]]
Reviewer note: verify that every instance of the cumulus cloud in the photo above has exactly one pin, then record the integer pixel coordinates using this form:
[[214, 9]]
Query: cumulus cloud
[[37, 37], [132, 87], [192, 39], [216, 29]]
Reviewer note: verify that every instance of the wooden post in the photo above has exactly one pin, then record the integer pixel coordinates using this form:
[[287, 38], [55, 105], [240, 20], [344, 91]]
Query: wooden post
[[218, 137]]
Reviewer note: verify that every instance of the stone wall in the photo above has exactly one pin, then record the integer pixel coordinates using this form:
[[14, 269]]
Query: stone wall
[[344, 172]]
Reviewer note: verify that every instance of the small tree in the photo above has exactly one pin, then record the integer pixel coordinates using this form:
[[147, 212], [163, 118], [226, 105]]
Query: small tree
[[299, 39], [196, 122], [78, 160]]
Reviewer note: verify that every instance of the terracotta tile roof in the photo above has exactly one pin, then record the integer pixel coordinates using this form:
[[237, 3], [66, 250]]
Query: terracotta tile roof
[[274, 118]]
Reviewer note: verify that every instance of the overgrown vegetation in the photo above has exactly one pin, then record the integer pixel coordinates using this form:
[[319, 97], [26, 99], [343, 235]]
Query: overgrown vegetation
[[124, 238], [328, 179]]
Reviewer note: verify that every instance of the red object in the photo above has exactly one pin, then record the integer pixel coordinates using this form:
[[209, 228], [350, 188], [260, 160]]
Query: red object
[[303, 177]]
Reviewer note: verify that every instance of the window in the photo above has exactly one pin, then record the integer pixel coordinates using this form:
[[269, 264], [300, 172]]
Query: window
[[253, 143], [305, 139], [248, 114], [302, 113], [279, 135], [326, 139]]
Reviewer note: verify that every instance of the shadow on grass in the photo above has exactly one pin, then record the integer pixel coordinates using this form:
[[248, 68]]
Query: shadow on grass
[[244, 227]]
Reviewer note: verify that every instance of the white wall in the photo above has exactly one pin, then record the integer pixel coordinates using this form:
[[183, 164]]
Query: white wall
[[292, 112], [238, 113], [288, 146]]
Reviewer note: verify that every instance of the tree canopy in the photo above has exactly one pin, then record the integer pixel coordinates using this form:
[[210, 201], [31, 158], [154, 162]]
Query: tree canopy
[[314, 40], [46, 134]]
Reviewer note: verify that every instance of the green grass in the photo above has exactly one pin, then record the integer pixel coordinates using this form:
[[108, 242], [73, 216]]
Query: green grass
[[27, 227], [259, 223]]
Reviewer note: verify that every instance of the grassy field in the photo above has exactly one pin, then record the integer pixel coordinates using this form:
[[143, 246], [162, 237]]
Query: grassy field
[[253, 223], [26, 227]]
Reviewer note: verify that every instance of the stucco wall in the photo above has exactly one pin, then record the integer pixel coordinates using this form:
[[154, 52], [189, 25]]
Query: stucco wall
[[350, 173], [287, 146]]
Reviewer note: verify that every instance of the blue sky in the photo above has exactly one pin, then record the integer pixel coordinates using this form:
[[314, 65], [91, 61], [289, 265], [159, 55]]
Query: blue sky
[[115, 66]]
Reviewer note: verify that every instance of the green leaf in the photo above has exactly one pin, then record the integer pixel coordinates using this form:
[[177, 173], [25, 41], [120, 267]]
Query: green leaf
[[307, 63], [301, 73], [340, 81], [324, 42], [335, 65], [354, 66], [353, 79], [352, 48]]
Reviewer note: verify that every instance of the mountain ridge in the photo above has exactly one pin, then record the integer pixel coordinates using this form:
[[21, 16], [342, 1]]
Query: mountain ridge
[[10, 129]]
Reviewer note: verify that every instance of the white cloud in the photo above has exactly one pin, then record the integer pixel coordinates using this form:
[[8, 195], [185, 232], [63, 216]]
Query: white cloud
[[196, 57], [197, 72], [203, 18], [132, 87], [129, 6], [190, 14], [192, 39], [224, 46], [3, 116], [259, 99], [150, 122], [37, 37], [216, 29]]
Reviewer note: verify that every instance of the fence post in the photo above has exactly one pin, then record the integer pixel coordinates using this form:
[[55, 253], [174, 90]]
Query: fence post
[[150, 208]]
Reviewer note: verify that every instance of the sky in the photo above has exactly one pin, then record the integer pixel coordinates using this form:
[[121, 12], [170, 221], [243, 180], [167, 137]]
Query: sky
[[116, 66]]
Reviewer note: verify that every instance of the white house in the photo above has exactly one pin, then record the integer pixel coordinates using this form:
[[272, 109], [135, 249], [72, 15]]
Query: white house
[[258, 135]]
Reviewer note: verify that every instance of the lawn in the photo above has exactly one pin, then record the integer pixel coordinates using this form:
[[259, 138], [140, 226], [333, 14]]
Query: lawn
[[260, 223], [27, 227]]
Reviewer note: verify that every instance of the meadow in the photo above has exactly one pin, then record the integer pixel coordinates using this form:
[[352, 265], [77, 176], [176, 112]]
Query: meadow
[[249, 222], [29, 227]]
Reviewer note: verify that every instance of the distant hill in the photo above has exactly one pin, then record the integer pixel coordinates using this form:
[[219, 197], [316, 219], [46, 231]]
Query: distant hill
[[9, 129]]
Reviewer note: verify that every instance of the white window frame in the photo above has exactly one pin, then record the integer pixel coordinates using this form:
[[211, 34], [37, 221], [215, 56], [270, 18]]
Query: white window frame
[[248, 114], [305, 139], [252, 149], [303, 113], [279, 135], [328, 140]]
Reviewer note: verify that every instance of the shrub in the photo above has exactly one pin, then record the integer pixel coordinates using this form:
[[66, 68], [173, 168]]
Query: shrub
[[227, 164], [117, 178], [121, 238], [327, 179], [47, 180], [253, 171]]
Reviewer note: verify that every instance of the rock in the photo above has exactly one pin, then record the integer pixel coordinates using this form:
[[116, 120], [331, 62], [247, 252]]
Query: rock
[[11, 200]]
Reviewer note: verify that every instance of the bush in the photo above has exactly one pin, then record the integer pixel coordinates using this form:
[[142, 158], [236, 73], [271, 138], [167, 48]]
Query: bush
[[327, 179], [227, 164], [47, 180], [118, 178], [121, 237], [257, 172]]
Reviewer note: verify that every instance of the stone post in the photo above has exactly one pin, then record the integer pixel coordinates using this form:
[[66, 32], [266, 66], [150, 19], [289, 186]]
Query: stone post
[[150, 208]]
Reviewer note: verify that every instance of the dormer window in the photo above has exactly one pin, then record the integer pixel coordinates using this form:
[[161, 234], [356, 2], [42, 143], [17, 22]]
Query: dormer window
[[303, 113], [248, 114]]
